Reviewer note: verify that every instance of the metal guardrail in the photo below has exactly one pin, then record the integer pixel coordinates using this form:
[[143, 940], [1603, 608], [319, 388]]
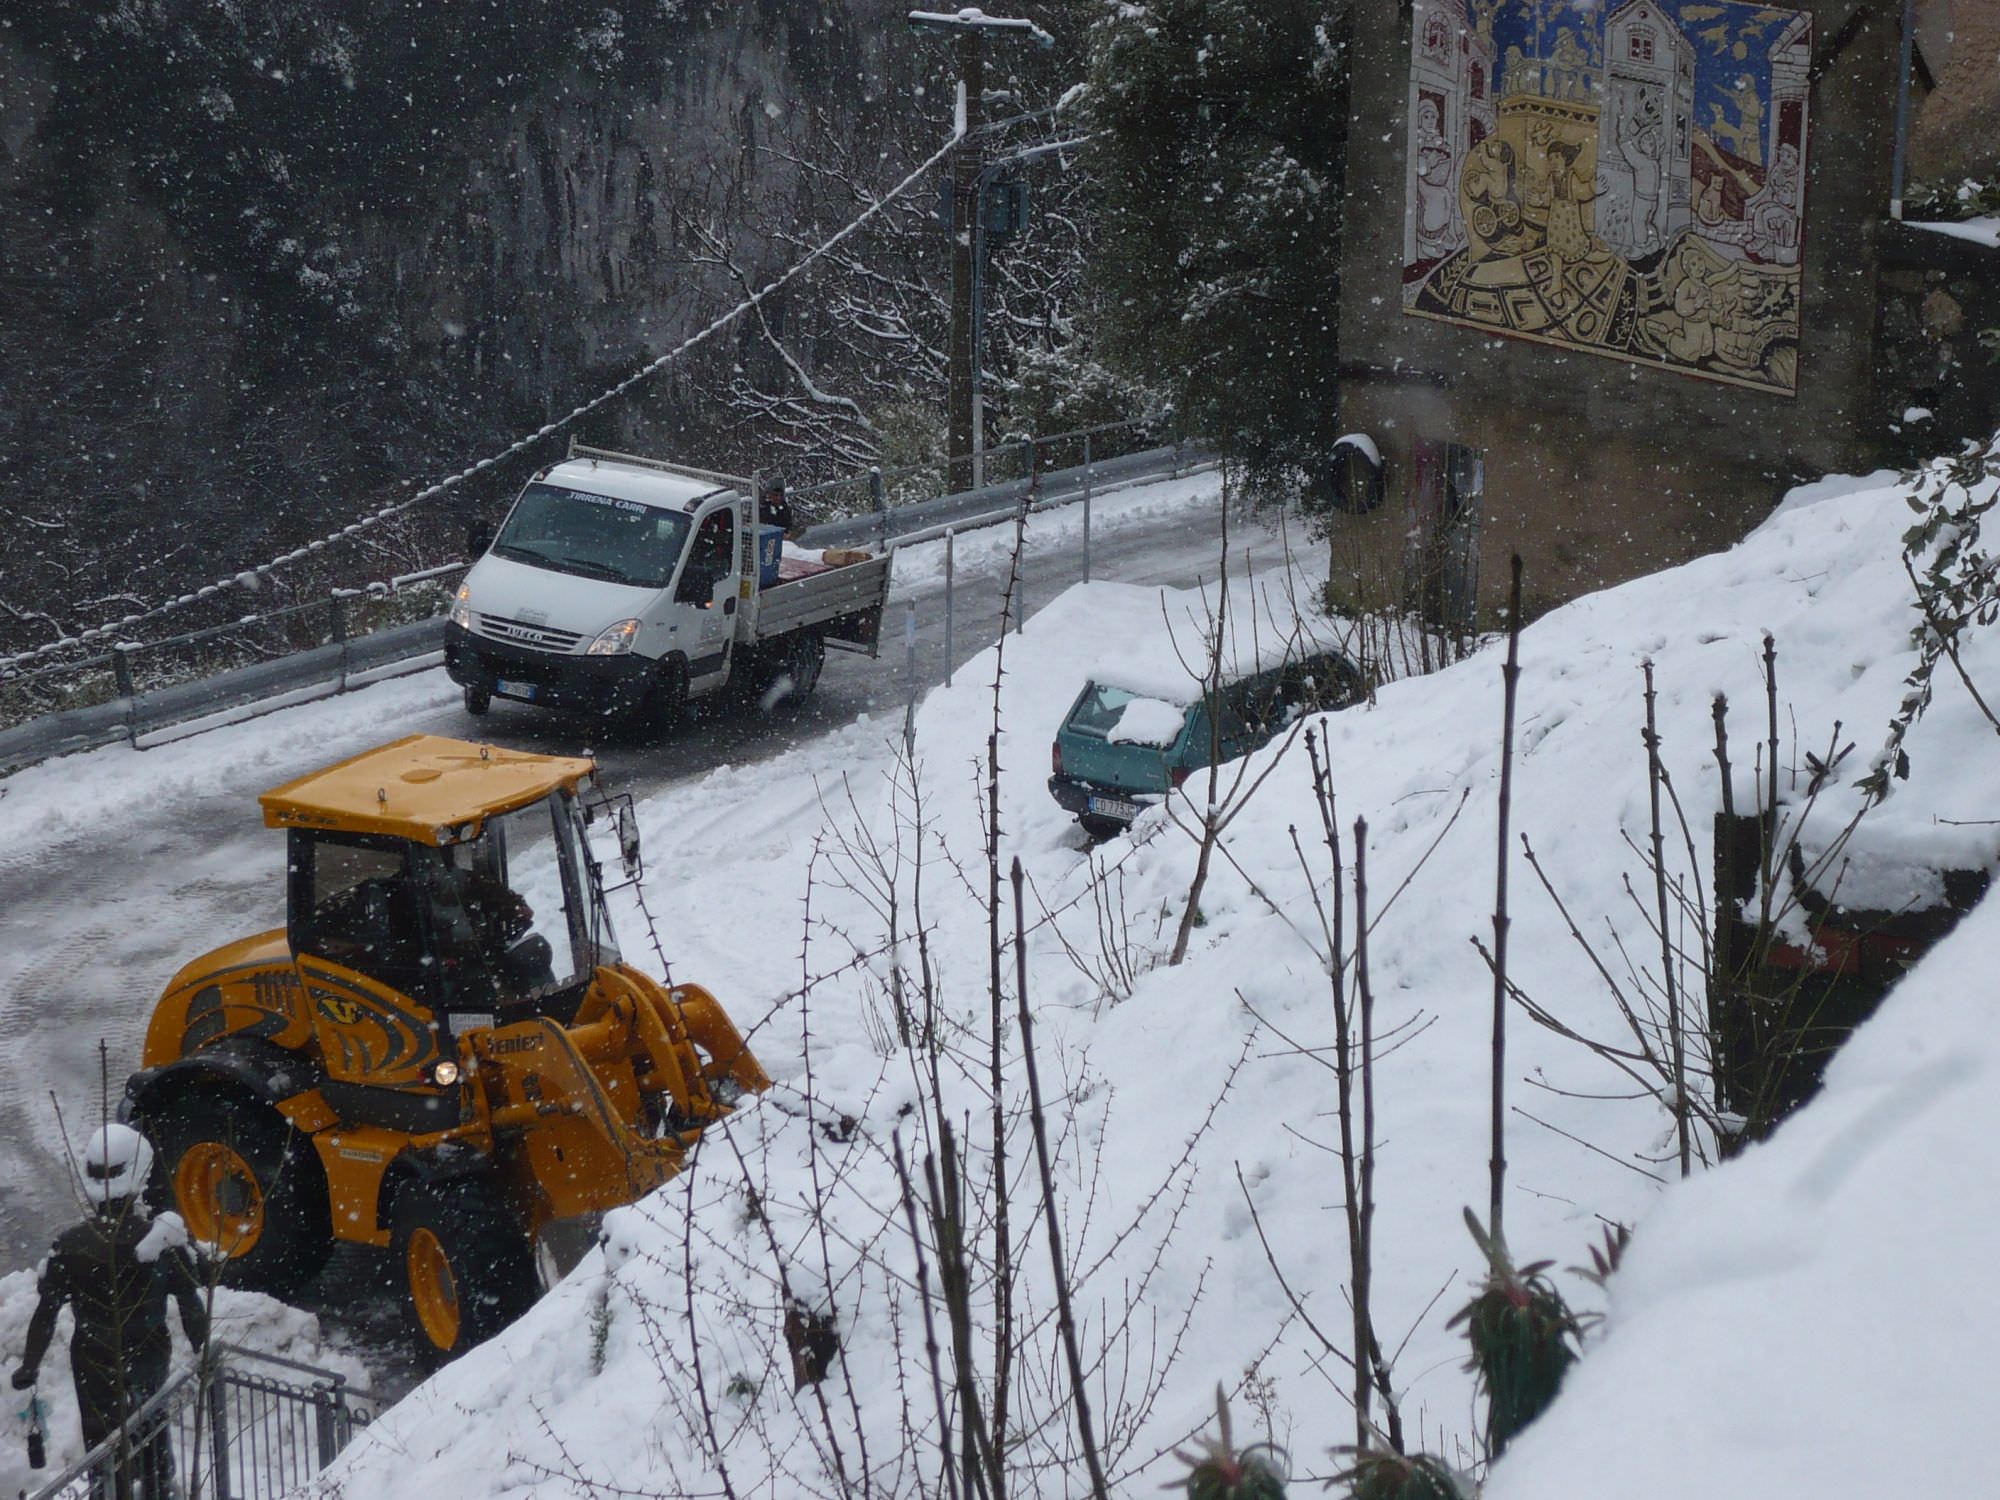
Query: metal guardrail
[[145, 716], [250, 1426]]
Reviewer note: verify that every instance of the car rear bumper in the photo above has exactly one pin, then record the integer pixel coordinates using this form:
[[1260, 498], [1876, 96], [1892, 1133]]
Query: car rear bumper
[[1100, 803], [571, 684]]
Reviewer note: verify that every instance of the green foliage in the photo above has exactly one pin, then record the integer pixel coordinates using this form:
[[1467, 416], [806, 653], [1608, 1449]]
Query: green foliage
[[1396, 1476], [1067, 390], [1951, 202], [600, 1326], [1220, 163], [1522, 1335], [1957, 584], [1219, 1471]]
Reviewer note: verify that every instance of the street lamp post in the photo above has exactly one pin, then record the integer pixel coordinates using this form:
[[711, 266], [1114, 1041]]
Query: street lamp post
[[969, 29]]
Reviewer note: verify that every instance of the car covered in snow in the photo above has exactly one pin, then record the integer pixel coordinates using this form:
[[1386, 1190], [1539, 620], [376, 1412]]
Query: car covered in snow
[[1121, 749]]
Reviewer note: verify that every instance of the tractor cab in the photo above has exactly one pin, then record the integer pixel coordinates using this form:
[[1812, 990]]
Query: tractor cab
[[455, 875]]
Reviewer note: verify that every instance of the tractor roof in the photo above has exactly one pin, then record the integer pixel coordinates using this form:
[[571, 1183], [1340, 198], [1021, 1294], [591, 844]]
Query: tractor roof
[[423, 788]]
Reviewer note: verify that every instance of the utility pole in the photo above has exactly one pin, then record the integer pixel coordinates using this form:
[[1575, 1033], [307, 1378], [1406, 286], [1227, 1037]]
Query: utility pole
[[968, 29]]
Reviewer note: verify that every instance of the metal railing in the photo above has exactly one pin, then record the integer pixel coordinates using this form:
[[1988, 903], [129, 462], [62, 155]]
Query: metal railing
[[129, 672], [258, 1427], [882, 496], [167, 688]]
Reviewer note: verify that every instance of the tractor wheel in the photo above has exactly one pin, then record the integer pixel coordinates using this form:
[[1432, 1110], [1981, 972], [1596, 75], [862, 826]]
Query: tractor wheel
[[466, 1268], [248, 1185], [477, 700]]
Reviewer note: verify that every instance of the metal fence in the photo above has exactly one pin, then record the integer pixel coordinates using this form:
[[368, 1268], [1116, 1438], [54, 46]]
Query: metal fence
[[143, 692], [878, 492], [250, 1427], [242, 650]]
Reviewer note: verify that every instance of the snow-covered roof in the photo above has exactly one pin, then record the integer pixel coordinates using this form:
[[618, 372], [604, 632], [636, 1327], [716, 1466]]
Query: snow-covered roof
[[654, 487]]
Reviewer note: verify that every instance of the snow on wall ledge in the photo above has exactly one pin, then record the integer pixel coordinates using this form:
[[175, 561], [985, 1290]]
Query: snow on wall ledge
[[1822, 1303]]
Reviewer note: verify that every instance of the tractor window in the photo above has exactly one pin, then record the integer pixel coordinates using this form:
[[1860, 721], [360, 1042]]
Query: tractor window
[[352, 903], [500, 910]]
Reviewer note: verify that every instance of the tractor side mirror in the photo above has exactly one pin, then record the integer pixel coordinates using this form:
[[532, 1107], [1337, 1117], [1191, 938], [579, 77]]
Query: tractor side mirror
[[628, 841]]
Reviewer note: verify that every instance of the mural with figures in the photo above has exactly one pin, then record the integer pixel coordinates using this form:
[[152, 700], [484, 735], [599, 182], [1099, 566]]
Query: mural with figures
[[1625, 177]]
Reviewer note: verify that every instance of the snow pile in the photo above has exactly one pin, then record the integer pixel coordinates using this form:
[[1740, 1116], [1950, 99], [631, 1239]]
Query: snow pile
[[1818, 1318], [1981, 231], [1183, 1097], [1147, 721]]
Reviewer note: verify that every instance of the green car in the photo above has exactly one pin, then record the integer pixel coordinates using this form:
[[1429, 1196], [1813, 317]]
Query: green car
[[1119, 751]]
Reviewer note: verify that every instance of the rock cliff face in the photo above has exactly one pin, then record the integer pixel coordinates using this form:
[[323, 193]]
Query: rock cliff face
[[261, 268]]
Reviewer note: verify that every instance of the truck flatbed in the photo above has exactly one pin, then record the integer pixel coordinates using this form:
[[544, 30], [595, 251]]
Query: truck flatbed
[[844, 598]]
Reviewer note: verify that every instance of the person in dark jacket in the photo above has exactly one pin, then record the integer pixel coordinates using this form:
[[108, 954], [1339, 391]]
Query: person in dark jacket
[[116, 1271]]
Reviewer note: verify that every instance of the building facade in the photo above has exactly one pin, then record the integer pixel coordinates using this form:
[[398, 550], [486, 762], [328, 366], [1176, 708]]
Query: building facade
[[1609, 278]]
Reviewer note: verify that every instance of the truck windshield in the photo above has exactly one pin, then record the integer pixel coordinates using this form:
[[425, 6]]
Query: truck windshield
[[596, 536]]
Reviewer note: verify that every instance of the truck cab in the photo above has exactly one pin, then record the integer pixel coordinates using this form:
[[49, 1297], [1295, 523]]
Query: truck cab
[[624, 587]]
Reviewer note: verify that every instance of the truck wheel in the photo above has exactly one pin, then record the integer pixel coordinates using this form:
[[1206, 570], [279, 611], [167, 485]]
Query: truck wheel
[[247, 1184], [466, 1268], [799, 664], [477, 700], [665, 701]]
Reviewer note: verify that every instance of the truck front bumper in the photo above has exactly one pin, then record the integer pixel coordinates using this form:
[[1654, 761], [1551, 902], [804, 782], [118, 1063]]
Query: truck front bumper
[[569, 684]]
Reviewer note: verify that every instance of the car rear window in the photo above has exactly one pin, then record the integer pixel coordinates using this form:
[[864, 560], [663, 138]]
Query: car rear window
[[1099, 708]]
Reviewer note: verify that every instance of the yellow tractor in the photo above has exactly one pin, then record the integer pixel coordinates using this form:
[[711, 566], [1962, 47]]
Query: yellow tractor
[[441, 1054]]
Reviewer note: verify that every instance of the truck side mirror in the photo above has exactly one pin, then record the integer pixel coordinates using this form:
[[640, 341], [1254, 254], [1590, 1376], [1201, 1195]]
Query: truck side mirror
[[628, 842]]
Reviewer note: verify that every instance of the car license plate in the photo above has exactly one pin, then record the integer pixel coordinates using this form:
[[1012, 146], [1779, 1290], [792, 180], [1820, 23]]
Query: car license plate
[[522, 690], [1114, 807]]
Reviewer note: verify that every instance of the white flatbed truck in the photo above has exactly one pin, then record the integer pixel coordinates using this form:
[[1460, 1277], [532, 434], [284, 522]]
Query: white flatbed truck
[[626, 587]]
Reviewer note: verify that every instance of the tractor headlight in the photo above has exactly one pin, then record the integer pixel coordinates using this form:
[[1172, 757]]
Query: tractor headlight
[[615, 640], [461, 607], [445, 1074]]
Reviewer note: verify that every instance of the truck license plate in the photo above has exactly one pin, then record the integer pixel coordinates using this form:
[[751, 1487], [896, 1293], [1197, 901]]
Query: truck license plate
[[522, 690], [1114, 807]]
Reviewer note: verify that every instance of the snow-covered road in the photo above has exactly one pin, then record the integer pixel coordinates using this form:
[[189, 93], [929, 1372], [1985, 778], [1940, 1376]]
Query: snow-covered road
[[116, 867]]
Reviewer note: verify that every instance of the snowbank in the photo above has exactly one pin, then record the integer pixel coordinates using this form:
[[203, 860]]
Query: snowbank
[[1982, 231], [1817, 1318], [1182, 1095]]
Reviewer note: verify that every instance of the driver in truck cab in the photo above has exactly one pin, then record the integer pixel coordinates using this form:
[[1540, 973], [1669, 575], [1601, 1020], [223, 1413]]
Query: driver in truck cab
[[709, 561]]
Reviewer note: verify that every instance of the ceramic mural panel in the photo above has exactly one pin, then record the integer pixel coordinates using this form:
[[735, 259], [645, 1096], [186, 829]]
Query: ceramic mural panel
[[1622, 177]]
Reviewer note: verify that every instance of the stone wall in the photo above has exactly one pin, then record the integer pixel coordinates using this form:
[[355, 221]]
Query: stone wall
[[1939, 292], [1957, 131], [1597, 470]]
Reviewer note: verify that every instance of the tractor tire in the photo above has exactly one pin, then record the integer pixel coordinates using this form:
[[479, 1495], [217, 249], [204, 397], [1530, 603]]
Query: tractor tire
[[246, 1184], [477, 701], [465, 1266]]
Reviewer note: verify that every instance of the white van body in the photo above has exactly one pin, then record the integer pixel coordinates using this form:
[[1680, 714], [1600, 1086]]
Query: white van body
[[625, 586]]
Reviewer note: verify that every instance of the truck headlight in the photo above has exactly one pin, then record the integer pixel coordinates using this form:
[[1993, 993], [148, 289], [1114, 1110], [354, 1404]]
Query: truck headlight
[[614, 640], [461, 607]]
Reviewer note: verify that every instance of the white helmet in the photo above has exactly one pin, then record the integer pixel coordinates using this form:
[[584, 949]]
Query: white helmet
[[116, 1164]]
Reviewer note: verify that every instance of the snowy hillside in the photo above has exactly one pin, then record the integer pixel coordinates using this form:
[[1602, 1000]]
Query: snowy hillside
[[1817, 1303]]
